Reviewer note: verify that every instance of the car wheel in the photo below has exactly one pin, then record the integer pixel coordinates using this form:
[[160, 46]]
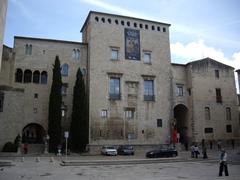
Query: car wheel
[[174, 155]]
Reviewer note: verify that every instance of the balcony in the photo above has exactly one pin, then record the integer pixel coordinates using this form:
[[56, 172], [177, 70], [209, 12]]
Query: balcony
[[149, 98]]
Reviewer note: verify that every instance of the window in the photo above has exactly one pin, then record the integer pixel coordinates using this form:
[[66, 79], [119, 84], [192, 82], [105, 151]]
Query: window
[[135, 24], [158, 28], [64, 89], [114, 91], [128, 23], [208, 130], [228, 128], [28, 49], [35, 110], [164, 29], [36, 95], [148, 90], [36, 77], [64, 70], [228, 114], [109, 21], [114, 54], [116, 21], [122, 23], [147, 57], [18, 75], [159, 122], [1, 101], [217, 74], [207, 113], [27, 76], [146, 26], [129, 113], [104, 113], [103, 20], [218, 95], [44, 77], [179, 90], [153, 27], [76, 54], [96, 18], [83, 71]]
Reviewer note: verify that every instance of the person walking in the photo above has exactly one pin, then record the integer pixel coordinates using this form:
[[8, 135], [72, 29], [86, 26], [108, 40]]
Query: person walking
[[223, 163], [204, 151], [196, 151], [192, 151]]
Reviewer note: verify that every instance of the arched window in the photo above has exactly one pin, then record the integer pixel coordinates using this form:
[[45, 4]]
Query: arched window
[[28, 49], [27, 76], [64, 70], [36, 77], [18, 75], [74, 54], [44, 77], [78, 54]]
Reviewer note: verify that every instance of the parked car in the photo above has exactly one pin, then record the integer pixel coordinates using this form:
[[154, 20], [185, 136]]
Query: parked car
[[125, 150], [109, 150], [162, 151]]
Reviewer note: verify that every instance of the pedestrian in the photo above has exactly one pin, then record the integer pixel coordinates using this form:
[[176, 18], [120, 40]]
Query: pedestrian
[[25, 148], [204, 151], [233, 143], [219, 145], [192, 151], [196, 151], [223, 163], [211, 144], [186, 145]]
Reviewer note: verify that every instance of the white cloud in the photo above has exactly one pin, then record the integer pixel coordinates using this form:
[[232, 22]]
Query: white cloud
[[198, 50]]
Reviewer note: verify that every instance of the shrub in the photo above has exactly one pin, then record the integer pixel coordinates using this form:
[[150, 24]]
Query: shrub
[[9, 147]]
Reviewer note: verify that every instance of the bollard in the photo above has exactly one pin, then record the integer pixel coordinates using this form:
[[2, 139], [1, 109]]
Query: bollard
[[51, 159], [22, 159], [37, 159]]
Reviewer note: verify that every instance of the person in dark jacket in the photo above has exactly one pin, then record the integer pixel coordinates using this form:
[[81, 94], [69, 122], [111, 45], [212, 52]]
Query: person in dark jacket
[[223, 163]]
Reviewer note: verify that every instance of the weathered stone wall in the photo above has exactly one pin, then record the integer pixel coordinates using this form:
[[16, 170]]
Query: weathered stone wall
[[12, 117], [35, 109], [114, 129], [204, 84], [3, 12]]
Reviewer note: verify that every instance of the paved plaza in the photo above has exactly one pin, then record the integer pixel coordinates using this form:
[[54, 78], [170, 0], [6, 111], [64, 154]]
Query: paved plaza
[[42, 167]]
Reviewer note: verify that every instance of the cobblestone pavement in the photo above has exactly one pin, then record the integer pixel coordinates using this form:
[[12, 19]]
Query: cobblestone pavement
[[42, 168]]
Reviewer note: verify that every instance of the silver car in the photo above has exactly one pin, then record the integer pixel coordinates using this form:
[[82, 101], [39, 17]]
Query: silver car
[[109, 150]]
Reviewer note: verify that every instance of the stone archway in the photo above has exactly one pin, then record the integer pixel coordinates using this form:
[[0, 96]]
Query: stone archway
[[181, 116], [33, 133]]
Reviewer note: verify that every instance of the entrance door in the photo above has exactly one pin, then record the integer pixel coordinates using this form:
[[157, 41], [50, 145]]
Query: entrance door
[[181, 116], [33, 134]]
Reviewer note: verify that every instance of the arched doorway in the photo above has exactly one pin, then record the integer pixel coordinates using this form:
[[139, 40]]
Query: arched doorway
[[181, 116], [33, 133]]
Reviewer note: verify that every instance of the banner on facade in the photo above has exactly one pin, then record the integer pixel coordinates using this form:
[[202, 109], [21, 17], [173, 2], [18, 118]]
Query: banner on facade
[[132, 44]]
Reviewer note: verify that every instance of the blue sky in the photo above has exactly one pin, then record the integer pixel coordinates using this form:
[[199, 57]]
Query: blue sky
[[199, 28]]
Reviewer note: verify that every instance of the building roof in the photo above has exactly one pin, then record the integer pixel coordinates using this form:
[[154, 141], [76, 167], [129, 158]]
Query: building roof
[[209, 61], [51, 40], [121, 16]]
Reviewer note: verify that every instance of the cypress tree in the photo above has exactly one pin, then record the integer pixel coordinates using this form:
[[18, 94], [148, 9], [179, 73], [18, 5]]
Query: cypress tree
[[79, 123], [54, 113]]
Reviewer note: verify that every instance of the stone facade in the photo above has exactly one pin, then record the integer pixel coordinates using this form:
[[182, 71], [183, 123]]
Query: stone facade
[[135, 94], [3, 11]]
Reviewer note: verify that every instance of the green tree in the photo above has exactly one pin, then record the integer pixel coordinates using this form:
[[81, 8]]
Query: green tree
[[79, 123], [54, 113]]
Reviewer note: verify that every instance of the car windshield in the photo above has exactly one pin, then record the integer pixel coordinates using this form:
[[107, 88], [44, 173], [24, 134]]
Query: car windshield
[[128, 147], [109, 147]]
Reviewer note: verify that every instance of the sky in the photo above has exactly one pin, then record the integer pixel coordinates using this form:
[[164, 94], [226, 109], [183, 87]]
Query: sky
[[199, 28]]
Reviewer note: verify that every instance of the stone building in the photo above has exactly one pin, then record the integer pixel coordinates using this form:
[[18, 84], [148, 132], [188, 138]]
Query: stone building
[[136, 95], [3, 11]]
